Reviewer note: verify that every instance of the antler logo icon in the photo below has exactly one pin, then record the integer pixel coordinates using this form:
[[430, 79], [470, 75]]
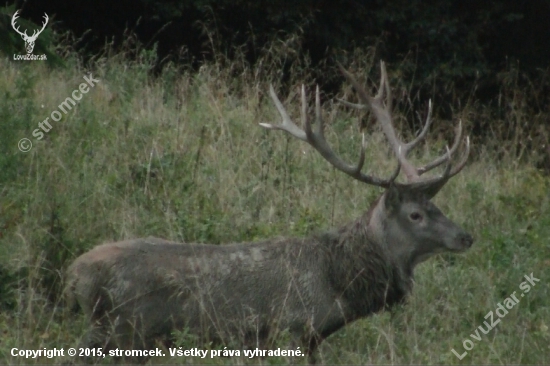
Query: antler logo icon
[[29, 40]]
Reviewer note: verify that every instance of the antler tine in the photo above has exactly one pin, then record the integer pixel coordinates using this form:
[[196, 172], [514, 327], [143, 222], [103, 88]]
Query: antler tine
[[449, 165], [384, 85], [315, 137], [352, 105], [449, 173], [319, 128], [462, 163], [395, 172], [440, 160], [361, 161], [384, 76], [287, 125], [319, 131], [433, 185], [411, 145], [363, 95], [383, 116], [303, 112]]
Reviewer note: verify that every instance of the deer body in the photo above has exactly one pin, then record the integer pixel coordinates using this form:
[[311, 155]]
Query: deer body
[[240, 294], [245, 295]]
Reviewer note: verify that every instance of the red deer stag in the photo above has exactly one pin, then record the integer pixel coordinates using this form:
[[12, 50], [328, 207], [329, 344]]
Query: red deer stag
[[243, 295]]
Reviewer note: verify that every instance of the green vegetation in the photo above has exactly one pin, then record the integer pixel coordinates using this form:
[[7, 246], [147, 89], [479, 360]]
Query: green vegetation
[[181, 156]]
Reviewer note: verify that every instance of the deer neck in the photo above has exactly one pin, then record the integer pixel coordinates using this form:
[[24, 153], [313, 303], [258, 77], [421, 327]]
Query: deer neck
[[396, 250], [362, 268]]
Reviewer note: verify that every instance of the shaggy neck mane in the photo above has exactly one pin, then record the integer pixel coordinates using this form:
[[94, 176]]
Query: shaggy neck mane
[[362, 270]]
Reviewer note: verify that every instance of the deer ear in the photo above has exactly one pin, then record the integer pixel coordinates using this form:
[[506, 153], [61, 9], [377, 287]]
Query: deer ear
[[393, 198]]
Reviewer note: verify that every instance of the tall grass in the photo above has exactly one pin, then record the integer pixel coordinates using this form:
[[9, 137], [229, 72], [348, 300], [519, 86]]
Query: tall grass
[[181, 156]]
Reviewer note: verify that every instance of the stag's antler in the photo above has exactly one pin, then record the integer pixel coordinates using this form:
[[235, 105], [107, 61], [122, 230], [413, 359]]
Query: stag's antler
[[382, 111], [381, 107], [316, 138]]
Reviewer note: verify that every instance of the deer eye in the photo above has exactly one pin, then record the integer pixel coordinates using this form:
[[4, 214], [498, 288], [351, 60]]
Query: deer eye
[[415, 216]]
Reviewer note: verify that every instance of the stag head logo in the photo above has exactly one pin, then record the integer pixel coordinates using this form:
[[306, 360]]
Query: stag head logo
[[29, 40]]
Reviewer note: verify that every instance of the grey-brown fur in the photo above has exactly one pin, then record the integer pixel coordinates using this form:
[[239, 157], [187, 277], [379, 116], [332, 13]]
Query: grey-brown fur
[[243, 295]]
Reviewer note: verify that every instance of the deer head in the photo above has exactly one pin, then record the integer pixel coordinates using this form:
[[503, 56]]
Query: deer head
[[404, 220]]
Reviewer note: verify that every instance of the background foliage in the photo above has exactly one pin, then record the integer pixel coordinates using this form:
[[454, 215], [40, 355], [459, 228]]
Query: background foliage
[[444, 40]]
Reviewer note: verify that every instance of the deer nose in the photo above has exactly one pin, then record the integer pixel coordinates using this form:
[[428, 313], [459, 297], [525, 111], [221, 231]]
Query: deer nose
[[466, 240]]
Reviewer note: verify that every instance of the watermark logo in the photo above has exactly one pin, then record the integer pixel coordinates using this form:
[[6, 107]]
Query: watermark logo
[[29, 40], [25, 145], [501, 311]]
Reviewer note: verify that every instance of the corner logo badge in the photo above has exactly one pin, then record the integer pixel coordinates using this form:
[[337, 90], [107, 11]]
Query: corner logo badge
[[29, 40]]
